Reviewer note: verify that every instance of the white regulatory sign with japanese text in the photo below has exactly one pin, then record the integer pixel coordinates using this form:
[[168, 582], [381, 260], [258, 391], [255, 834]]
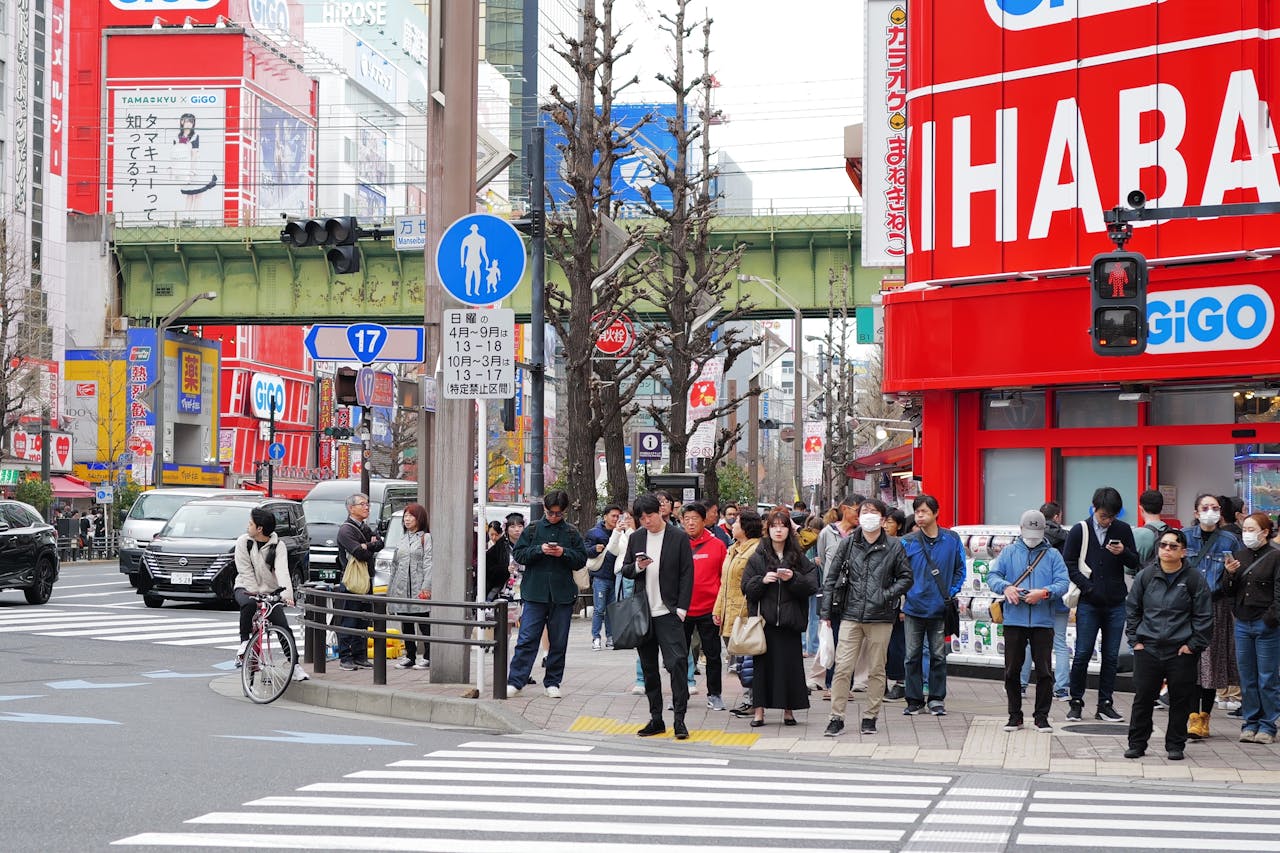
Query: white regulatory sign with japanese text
[[479, 353]]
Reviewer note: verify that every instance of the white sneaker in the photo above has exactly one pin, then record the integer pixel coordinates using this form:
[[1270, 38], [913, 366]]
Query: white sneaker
[[595, 644], [553, 692], [512, 691], [422, 664], [300, 674], [693, 690], [637, 689], [404, 663], [244, 647]]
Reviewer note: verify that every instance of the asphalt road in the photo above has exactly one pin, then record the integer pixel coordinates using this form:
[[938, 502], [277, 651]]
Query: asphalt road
[[126, 740]]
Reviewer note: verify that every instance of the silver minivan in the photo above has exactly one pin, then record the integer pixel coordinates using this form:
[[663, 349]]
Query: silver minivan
[[150, 512]]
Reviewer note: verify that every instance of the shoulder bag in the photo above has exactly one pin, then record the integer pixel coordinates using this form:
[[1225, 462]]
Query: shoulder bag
[[1072, 598], [629, 618], [355, 576], [997, 605], [747, 637], [951, 611]]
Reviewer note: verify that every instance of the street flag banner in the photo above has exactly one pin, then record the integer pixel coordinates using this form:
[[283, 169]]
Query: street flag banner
[[884, 142], [704, 395], [815, 440]]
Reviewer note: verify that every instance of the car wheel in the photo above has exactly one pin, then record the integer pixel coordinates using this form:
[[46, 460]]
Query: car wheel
[[153, 601], [42, 585]]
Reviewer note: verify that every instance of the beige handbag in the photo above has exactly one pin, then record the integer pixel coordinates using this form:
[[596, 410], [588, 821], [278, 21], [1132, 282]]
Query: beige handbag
[[747, 637], [355, 577]]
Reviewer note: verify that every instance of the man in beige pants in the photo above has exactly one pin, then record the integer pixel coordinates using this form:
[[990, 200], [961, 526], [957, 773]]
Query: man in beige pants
[[863, 583]]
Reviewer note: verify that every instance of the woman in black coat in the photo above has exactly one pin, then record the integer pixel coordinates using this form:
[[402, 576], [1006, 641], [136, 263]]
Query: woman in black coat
[[777, 583]]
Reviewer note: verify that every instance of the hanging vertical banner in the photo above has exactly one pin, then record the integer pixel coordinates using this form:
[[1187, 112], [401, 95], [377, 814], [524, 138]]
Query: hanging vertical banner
[[884, 142], [815, 441], [704, 395]]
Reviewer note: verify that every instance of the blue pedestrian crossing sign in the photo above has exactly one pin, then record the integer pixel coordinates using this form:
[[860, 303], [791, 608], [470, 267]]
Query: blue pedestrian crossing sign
[[480, 259]]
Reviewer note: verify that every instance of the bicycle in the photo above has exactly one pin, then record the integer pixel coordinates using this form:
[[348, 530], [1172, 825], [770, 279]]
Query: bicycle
[[269, 656]]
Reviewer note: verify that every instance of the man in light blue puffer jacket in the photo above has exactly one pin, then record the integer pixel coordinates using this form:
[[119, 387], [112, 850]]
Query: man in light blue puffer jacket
[[1028, 613]]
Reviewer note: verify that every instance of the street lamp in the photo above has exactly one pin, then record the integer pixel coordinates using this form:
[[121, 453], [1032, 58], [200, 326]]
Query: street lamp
[[797, 337], [157, 397]]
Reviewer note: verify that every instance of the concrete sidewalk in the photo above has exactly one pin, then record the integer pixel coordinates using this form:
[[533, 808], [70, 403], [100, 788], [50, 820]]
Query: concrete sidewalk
[[598, 699]]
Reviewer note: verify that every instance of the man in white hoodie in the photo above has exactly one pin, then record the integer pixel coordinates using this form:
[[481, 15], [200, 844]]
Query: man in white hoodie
[[262, 567]]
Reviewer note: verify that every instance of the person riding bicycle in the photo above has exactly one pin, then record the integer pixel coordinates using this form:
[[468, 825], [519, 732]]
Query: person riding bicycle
[[262, 567]]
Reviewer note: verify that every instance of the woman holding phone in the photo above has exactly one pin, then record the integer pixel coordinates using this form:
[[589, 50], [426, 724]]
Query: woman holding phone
[[777, 583]]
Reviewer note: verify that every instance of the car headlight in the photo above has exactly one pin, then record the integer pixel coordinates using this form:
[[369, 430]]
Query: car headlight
[[126, 542]]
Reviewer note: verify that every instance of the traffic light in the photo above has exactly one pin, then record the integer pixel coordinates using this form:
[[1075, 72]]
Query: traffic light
[[339, 233], [509, 414], [339, 432], [344, 387], [1118, 283]]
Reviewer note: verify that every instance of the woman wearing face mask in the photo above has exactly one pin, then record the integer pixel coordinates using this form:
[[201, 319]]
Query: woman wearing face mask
[[1030, 574], [1207, 548], [1249, 586], [777, 583], [867, 577]]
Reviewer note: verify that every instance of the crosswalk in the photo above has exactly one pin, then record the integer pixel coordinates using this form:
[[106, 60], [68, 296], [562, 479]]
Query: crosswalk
[[498, 796], [176, 628]]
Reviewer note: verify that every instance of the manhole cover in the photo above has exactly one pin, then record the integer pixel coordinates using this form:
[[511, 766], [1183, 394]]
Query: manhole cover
[[1118, 729]]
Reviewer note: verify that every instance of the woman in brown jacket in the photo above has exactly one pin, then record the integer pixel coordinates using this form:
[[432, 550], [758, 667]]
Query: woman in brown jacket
[[730, 602]]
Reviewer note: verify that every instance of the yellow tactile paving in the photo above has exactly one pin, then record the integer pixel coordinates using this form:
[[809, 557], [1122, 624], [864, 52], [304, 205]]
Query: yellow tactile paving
[[608, 726]]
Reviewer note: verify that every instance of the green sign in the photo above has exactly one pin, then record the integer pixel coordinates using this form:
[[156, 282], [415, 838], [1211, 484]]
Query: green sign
[[11, 476]]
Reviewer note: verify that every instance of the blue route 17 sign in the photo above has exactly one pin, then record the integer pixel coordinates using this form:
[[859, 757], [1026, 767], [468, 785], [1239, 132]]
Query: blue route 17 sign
[[480, 259]]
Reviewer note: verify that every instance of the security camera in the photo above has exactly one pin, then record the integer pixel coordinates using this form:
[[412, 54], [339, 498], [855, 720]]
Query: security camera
[[1137, 199]]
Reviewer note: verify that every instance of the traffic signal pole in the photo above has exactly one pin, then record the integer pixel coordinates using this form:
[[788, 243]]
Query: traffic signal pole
[[271, 439], [453, 43]]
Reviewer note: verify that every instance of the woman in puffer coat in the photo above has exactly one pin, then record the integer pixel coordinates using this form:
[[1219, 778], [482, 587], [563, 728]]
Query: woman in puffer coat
[[262, 567], [777, 584], [730, 602], [411, 578]]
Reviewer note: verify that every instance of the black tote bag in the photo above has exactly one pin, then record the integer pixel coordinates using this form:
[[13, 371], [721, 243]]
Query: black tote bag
[[629, 618]]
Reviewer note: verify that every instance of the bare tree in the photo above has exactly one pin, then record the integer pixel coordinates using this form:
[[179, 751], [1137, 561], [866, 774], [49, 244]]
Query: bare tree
[[839, 392], [24, 330], [698, 275]]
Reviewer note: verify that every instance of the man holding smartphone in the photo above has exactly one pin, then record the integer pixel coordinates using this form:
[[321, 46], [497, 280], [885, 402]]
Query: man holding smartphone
[[660, 560], [550, 550]]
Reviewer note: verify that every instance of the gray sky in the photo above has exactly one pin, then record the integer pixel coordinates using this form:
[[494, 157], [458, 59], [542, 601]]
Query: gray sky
[[790, 78]]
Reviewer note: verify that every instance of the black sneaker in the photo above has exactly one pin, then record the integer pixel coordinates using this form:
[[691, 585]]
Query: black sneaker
[[1175, 755], [834, 728], [1075, 711], [1013, 725], [1108, 714], [937, 709], [1235, 712], [912, 709], [1042, 724], [1162, 702], [347, 665], [896, 692], [869, 726], [654, 727], [681, 732], [1134, 752]]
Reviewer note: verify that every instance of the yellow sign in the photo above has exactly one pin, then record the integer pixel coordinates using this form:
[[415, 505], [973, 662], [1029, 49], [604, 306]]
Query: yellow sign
[[195, 475]]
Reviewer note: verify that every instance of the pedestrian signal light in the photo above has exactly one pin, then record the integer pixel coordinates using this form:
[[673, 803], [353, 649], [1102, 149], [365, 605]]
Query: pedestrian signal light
[[1118, 284], [344, 387], [339, 233]]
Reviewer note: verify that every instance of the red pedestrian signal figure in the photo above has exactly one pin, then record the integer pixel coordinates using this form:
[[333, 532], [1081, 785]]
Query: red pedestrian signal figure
[[1118, 278]]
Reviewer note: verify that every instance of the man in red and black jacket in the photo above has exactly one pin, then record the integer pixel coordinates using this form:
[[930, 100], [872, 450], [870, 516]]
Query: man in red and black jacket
[[708, 561]]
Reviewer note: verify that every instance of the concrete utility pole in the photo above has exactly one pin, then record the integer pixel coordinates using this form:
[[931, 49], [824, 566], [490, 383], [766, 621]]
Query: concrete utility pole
[[451, 177]]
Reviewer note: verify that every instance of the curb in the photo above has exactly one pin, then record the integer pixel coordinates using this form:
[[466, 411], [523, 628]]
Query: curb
[[402, 705]]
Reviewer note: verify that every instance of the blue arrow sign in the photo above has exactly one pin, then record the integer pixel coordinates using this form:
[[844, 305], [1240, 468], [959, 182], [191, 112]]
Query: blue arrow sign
[[168, 673], [480, 259], [321, 738], [276, 451], [15, 698], [22, 717], [363, 341], [80, 684]]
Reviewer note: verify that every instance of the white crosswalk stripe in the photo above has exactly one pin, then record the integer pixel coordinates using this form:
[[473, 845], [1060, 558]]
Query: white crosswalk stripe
[[480, 796], [1134, 821], [180, 628]]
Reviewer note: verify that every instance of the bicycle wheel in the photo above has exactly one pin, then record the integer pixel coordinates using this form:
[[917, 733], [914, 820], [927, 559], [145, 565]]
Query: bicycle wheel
[[268, 665]]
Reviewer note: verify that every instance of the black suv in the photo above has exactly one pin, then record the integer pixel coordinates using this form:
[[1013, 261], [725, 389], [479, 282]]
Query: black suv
[[28, 551], [193, 557]]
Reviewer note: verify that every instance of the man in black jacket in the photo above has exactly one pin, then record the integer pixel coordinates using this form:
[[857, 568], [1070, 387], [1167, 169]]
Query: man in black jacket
[[868, 574], [1169, 616], [1107, 546], [660, 560], [356, 539]]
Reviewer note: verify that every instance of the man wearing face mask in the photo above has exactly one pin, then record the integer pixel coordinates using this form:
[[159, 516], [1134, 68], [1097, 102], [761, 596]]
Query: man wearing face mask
[[864, 580], [1103, 546]]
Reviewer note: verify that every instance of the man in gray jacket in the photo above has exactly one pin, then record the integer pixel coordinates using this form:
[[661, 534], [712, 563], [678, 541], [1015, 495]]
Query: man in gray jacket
[[863, 582], [1169, 616]]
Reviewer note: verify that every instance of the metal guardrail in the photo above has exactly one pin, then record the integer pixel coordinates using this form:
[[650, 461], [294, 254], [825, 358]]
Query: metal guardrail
[[102, 547], [319, 602]]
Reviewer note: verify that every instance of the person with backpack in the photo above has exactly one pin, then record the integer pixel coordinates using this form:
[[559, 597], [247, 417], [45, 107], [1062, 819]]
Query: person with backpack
[[1150, 505], [262, 567], [936, 555]]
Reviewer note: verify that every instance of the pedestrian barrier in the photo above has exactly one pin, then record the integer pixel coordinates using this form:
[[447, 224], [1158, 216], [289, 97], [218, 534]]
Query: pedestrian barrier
[[322, 606]]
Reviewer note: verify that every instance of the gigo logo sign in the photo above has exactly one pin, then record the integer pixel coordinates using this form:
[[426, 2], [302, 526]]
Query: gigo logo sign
[[1029, 14], [263, 389], [153, 6], [1208, 319]]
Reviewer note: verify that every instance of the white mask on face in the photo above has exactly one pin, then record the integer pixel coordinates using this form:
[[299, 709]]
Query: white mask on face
[[870, 521], [1253, 540], [1210, 516], [1033, 538]]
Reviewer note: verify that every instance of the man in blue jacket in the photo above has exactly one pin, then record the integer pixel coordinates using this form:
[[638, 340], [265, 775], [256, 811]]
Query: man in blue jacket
[[1030, 575], [601, 565], [937, 563]]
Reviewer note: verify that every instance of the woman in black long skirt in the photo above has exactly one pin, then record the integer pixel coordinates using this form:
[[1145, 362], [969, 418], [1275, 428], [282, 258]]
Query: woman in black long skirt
[[777, 582]]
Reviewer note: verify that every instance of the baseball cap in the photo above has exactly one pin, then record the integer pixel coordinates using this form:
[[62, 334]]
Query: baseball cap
[[1032, 520]]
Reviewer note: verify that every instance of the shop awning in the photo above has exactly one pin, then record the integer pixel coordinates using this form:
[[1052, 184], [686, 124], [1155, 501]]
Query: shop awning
[[894, 457], [70, 488]]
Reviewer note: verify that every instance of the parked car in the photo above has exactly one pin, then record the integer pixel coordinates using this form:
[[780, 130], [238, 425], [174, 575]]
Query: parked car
[[193, 557], [150, 512], [28, 551], [326, 509]]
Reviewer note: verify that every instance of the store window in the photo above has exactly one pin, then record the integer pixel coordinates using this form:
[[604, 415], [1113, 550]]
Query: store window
[[1012, 482], [1094, 409], [1192, 406], [1013, 410]]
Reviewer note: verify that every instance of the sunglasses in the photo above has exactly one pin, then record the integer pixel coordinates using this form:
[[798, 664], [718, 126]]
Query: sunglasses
[[1170, 546]]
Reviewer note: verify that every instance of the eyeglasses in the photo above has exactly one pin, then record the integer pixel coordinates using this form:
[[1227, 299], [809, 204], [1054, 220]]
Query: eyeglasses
[[1170, 546], [361, 503], [553, 513]]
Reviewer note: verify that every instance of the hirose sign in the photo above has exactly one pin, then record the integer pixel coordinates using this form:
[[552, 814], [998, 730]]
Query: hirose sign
[[1026, 119]]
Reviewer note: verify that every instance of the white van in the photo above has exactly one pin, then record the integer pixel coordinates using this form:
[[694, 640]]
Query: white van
[[150, 512]]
